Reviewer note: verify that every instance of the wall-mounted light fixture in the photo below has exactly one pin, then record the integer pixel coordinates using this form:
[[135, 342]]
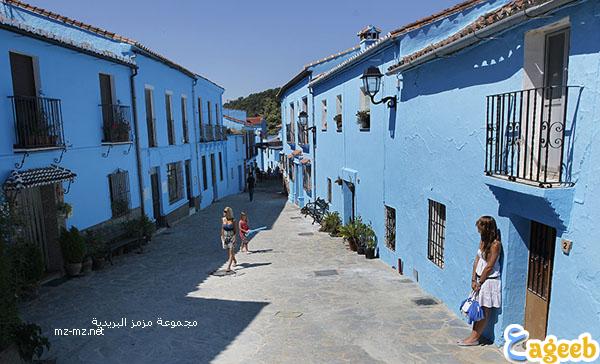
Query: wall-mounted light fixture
[[372, 83]]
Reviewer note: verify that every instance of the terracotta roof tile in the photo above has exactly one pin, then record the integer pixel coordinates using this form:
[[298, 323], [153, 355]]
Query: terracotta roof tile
[[255, 120]]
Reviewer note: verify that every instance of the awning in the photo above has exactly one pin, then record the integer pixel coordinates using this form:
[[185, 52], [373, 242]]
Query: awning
[[28, 178]]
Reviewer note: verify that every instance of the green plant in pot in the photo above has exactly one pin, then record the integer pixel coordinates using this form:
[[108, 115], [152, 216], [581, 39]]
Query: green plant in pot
[[142, 228], [30, 341], [27, 263], [363, 117], [97, 249], [64, 209], [351, 232], [331, 223], [72, 245], [370, 241], [338, 121]]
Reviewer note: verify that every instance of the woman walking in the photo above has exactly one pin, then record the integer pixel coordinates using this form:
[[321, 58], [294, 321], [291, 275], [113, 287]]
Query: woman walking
[[228, 236], [486, 276]]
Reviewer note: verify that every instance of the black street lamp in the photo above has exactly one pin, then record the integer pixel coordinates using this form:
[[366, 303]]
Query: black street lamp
[[303, 121], [372, 83]]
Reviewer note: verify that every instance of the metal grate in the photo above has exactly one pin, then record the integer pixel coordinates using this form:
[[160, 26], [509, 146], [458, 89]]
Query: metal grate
[[437, 233], [306, 234], [390, 227], [541, 257], [120, 200], [326, 272], [425, 302]]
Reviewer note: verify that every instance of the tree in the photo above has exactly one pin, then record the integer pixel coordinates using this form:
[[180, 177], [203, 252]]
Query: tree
[[262, 103]]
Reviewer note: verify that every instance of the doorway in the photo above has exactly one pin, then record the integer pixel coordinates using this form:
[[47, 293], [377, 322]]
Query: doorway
[[213, 175], [539, 279], [348, 195], [188, 183], [156, 196]]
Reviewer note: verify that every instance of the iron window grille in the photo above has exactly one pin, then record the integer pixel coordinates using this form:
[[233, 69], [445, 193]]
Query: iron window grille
[[175, 181], [38, 122], [306, 179], [437, 233], [116, 126], [120, 197], [329, 192], [291, 170], [390, 227]]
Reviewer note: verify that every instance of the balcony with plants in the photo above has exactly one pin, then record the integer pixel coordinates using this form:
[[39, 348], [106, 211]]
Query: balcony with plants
[[116, 125], [38, 123]]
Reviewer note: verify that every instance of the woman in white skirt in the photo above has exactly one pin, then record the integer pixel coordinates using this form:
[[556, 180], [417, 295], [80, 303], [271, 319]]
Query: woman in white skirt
[[486, 276]]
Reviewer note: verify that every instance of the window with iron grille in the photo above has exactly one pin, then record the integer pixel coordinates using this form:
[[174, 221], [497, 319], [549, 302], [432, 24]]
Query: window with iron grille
[[204, 182], [209, 112], [291, 170], [220, 166], [306, 178], [390, 227], [118, 183], [175, 181], [437, 233], [329, 190], [170, 122]]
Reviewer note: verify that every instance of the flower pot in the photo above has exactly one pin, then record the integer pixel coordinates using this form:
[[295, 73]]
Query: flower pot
[[73, 269], [86, 267], [370, 253], [352, 245], [99, 263], [361, 249]]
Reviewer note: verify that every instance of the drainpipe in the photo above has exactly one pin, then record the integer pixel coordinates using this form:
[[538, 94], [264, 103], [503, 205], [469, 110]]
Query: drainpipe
[[314, 135], [138, 151], [196, 138]]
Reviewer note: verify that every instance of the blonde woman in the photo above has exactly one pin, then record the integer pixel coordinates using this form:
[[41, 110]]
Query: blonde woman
[[228, 236]]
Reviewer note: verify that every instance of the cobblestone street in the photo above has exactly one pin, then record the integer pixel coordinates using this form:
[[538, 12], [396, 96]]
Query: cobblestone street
[[300, 296]]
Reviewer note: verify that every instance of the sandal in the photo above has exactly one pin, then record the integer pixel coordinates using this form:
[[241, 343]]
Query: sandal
[[474, 343]]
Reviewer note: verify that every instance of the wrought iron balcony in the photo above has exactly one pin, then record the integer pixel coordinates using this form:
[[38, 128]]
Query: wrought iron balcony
[[207, 133], [529, 135], [116, 124], [38, 122]]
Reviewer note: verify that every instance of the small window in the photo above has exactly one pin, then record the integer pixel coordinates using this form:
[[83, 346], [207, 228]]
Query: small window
[[150, 120], [363, 115], [437, 233], [204, 178], [170, 121], [175, 181], [118, 184], [324, 115], [306, 179], [329, 190], [390, 227], [338, 113]]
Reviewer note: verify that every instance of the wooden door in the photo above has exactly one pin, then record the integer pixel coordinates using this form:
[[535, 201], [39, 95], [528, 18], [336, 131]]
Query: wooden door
[[156, 195], [29, 205], [213, 173], [556, 57], [188, 183], [539, 279], [106, 98], [23, 76]]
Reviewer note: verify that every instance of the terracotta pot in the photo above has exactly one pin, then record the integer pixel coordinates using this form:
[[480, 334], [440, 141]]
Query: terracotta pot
[[73, 269], [87, 266], [99, 263]]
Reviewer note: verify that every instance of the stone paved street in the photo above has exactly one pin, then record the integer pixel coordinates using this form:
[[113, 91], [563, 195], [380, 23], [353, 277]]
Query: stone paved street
[[275, 309]]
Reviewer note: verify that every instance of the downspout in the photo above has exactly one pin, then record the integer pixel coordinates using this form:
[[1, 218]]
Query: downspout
[[314, 150], [138, 150], [196, 138]]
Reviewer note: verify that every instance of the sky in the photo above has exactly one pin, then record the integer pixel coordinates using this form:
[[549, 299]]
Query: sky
[[245, 46]]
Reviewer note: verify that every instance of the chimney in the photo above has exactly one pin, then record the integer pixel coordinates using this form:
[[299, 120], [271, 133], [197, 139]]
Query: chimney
[[368, 35]]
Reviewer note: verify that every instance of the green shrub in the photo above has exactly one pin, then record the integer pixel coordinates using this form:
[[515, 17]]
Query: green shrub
[[27, 263], [72, 245], [30, 341], [139, 228], [331, 223], [9, 318]]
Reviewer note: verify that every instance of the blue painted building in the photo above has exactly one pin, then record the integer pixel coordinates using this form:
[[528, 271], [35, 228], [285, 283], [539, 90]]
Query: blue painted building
[[104, 124], [464, 141]]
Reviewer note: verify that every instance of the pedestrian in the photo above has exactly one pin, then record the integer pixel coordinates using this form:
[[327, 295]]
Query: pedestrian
[[244, 229], [250, 183], [485, 280], [228, 236], [258, 173]]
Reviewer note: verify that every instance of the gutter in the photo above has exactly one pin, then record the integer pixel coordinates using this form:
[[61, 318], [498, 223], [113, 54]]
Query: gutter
[[138, 151], [196, 138], [476, 37]]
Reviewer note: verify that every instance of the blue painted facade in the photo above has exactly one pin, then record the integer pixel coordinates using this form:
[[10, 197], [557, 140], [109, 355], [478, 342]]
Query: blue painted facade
[[433, 147], [68, 60]]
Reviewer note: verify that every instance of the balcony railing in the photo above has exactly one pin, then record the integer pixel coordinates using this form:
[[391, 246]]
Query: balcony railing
[[207, 133], [529, 135], [38, 122], [116, 124]]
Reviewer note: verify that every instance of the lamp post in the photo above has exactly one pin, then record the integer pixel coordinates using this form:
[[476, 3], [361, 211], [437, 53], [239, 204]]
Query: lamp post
[[303, 121], [372, 83]]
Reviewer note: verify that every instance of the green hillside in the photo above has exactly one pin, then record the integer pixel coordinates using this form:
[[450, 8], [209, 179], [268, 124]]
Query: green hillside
[[261, 103]]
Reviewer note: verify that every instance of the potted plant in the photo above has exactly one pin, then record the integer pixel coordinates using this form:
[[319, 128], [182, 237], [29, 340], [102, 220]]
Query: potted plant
[[142, 228], [64, 209], [370, 241], [27, 265], [73, 249], [30, 341], [351, 232], [363, 117], [97, 249], [338, 121], [331, 223]]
